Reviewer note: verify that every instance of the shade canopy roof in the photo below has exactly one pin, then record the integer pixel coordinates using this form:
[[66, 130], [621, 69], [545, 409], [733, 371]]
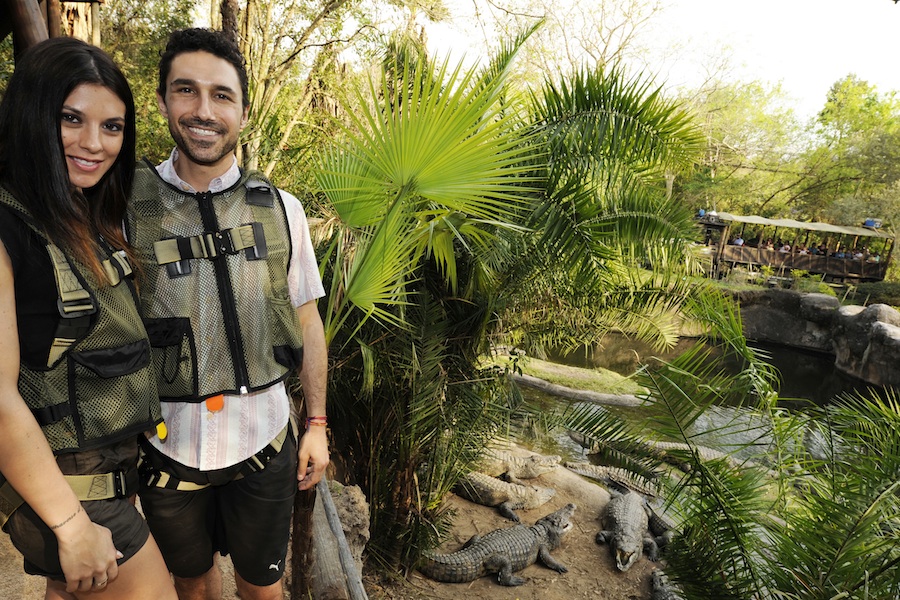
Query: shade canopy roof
[[792, 224]]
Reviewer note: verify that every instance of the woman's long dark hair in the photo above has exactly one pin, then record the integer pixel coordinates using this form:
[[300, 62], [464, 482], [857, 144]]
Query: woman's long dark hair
[[32, 164]]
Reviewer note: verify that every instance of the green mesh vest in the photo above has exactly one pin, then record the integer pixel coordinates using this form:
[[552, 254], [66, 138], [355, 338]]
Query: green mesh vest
[[98, 386], [214, 293]]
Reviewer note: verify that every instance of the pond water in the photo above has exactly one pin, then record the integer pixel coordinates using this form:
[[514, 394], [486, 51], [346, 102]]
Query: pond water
[[804, 375]]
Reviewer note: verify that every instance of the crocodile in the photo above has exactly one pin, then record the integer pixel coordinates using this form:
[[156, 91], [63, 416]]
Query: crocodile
[[616, 477], [506, 496], [513, 468], [627, 530], [503, 551], [662, 588]]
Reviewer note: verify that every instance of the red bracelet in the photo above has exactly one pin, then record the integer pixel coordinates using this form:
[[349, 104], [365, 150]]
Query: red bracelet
[[320, 420]]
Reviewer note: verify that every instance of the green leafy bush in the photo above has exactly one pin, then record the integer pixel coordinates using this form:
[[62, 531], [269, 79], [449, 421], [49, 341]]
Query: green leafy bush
[[879, 292]]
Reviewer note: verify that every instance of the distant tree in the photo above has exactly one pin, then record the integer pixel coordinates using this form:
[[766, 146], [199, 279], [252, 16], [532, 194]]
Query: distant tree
[[134, 32], [752, 142]]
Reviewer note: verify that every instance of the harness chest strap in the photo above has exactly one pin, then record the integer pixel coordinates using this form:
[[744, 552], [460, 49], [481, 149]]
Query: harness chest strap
[[210, 245], [75, 303], [103, 486]]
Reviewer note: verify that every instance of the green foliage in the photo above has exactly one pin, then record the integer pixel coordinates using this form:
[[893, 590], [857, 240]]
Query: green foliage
[[134, 32], [6, 62], [416, 195], [813, 525], [880, 292]]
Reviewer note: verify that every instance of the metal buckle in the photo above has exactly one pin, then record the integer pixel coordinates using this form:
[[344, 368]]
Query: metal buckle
[[119, 486]]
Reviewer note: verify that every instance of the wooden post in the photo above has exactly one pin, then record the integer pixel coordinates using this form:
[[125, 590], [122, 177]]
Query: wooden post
[[301, 543], [54, 19], [95, 23], [28, 25]]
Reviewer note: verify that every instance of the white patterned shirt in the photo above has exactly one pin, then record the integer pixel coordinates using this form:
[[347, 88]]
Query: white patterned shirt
[[214, 440]]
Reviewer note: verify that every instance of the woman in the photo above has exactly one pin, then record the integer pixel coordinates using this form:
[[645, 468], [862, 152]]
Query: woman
[[76, 387]]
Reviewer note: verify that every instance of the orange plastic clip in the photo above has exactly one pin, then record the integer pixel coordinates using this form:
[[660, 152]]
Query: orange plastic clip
[[215, 403]]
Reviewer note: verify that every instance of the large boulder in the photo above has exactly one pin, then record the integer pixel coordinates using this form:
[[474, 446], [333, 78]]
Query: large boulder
[[867, 343], [789, 318]]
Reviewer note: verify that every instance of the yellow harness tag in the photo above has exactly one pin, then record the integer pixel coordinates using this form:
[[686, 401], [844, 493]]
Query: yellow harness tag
[[162, 431]]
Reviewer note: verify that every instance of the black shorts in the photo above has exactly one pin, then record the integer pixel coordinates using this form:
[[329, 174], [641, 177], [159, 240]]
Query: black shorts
[[36, 541], [248, 518]]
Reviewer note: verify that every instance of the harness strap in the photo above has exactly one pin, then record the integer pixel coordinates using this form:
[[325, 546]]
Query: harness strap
[[102, 486], [153, 477], [117, 267], [75, 306], [74, 300], [210, 244]]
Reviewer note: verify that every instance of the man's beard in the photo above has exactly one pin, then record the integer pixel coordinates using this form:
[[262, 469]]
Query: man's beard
[[198, 152]]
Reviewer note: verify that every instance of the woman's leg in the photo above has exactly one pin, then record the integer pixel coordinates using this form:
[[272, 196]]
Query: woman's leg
[[143, 577]]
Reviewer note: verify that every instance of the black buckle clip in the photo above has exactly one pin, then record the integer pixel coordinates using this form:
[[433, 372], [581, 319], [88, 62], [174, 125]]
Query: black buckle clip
[[119, 483]]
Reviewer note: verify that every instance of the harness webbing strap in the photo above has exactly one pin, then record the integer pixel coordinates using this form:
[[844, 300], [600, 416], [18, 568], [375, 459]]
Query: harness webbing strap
[[102, 486], [208, 245], [73, 298], [74, 303], [117, 267]]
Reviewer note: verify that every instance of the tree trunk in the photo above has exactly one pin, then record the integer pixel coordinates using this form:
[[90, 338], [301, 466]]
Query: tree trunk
[[28, 25], [301, 544], [229, 10], [586, 395]]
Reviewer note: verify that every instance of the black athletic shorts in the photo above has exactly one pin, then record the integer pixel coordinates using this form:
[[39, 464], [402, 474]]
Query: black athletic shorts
[[248, 518], [36, 541]]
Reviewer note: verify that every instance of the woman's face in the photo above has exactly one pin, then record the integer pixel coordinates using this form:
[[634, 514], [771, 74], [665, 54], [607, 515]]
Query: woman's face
[[92, 124]]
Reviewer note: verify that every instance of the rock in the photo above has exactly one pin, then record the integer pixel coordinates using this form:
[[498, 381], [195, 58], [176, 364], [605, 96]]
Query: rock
[[789, 318], [866, 343], [353, 511], [864, 340]]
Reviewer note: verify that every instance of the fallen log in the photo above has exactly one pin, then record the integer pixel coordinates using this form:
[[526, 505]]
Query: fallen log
[[585, 395]]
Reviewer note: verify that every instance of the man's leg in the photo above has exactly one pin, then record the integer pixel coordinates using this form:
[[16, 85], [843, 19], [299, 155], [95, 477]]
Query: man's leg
[[183, 523], [256, 513], [205, 587], [248, 591]]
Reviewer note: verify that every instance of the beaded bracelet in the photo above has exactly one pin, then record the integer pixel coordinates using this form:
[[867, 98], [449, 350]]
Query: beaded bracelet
[[320, 420]]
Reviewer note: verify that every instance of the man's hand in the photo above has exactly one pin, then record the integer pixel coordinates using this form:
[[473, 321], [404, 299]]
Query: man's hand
[[312, 457]]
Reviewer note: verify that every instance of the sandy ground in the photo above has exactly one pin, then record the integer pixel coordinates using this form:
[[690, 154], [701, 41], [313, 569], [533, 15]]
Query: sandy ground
[[591, 571], [591, 574]]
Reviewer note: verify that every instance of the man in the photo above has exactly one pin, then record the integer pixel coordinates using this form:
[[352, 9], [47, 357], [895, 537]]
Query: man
[[229, 290]]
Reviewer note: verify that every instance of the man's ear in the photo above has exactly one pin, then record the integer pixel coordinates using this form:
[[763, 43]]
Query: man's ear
[[245, 116], [161, 103]]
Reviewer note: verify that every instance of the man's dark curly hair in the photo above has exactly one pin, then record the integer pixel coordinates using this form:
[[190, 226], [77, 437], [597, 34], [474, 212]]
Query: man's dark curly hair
[[206, 40]]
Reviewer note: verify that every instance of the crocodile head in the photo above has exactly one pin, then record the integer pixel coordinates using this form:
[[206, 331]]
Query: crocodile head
[[628, 550], [536, 465], [540, 495], [557, 524]]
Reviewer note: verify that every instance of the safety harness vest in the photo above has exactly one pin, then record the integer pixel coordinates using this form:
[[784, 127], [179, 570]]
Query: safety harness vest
[[215, 294], [98, 386]]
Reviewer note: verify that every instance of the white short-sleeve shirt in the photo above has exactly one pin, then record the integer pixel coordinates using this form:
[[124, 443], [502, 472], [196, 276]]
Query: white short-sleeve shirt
[[209, 440]]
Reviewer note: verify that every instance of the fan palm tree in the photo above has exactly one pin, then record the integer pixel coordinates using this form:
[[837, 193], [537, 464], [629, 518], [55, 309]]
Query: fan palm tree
[[449, 205]]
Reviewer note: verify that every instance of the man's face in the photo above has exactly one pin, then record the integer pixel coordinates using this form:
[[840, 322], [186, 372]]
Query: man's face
[[204, 107]]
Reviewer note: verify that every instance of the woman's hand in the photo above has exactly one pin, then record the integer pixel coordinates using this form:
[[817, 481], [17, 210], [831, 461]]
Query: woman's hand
[[86, 554]]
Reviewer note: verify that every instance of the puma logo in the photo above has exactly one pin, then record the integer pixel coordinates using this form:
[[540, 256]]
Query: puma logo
[[276, 566]]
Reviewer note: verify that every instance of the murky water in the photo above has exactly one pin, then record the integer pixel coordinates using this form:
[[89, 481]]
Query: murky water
[[805, 375]]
